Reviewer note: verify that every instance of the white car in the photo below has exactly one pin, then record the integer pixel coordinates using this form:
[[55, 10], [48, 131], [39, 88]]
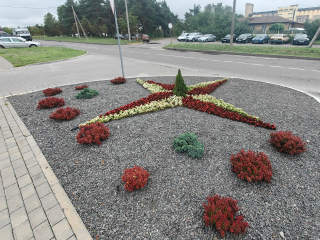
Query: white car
[[183, 37], [17, 42]]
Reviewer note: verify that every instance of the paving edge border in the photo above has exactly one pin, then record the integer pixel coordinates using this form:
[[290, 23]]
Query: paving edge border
[[242, 54], [62, 60], [74, 220], [90, 42]]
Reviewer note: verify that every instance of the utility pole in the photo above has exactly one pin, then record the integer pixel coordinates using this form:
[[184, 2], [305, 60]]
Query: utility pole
[[232, 24], [74, 14], [129, 35], [314, 38]]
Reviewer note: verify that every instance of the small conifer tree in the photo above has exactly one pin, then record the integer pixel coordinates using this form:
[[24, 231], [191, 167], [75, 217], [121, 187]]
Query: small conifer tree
[[180, 88]]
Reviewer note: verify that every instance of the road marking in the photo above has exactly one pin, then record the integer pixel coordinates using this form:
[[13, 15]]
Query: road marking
[[147, 53], [184, 57], [215, 60], [297, 68], [316, 70], [227, 61], [275, 66], [242, 62], [203, 59], [257, 64]]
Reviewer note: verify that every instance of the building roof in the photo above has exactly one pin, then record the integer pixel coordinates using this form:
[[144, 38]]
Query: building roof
[[308, 9], [267, 19], [275, 11]]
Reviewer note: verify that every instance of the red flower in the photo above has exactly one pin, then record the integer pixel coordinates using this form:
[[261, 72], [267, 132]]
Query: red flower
[[135, 178], [65, 114], [220, 213], [93, 133], [206, 90], [51, 102], [118, 80], [165, 86], [287, 142], [81, 87], [51, 91]]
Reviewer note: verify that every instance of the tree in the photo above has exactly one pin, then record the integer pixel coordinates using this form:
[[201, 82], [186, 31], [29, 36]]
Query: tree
[[133, 22], [180, 88], [49, 24], [312, 28], [65, 14], [7, 30], [279, 27], [87, 27]]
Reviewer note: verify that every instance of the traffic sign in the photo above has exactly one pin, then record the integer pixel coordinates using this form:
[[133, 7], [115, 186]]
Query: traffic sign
[[170, 25]]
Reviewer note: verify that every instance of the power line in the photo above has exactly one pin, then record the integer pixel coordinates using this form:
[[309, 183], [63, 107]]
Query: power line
[[27, 7]]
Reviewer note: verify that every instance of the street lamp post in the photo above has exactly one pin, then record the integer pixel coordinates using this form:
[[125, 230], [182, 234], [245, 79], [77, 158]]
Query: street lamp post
[[232, 24], [129, 35]]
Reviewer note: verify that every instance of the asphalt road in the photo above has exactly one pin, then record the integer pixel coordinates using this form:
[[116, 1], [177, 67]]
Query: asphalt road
[[147, 60]]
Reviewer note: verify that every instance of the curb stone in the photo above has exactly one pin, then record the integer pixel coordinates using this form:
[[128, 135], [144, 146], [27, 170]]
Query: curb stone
[[242, 54]]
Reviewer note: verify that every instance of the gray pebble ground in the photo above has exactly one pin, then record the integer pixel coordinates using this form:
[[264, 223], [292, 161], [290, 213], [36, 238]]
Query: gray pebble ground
[[170, 205]]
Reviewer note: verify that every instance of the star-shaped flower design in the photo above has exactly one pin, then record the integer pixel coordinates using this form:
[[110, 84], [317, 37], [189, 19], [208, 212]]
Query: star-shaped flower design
[[197, 97]]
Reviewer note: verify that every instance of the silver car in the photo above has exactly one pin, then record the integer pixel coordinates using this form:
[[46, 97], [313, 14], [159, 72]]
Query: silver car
[[207, 38], [193, 37], [17, 42]]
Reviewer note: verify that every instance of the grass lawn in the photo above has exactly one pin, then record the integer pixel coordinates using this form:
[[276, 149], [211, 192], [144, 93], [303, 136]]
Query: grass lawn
[[25, 56], [289, 51], [83, 39], [317, 42]]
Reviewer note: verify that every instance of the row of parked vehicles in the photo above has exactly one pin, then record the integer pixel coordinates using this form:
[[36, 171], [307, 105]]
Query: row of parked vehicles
[[246, 38], [143, 37]]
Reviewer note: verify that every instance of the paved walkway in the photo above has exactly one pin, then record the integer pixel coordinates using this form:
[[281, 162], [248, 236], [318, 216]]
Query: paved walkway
[[4, 64], [33, 205]]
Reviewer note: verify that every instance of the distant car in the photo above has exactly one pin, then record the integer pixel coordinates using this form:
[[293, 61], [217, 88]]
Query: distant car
[[183, 36], [207, 38], [17, 42], [279, 38], [120, 36], [226, 39], [244, 38], [132, 36], [4, 34], [193, 37], [261, 38], [301, 39], [145, 38]]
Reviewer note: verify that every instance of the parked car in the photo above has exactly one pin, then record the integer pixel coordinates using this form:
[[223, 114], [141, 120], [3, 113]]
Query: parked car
[[193, 37], [261, 38], [22, 32], [183, 36], [132, 36], [120, 36], [301, 39], [145, 37], [279, 38], [4, 34], [244, 38], [17, 42], [226, 39], [207, 38]]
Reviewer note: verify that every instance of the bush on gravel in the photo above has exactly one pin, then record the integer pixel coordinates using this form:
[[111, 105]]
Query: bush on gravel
[[52, 91], [188, 143], [118, 80], [51, 102], [135, 178], [287, 142], [65, 114], [93, 133], [81, 87], [87, 93]]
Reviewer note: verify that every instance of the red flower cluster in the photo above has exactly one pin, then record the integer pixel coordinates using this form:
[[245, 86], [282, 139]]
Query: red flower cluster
[[142, 101], [51, 102], [135, 178], [65, 114], [118, 80], [252, 166], [81, 87], [165, 86], [219, 111], [93, 133], [52, 91], [286, 142], [220, 213], [206, 90]]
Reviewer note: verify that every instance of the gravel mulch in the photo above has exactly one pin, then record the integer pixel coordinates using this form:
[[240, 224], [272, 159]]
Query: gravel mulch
[[170, 205]]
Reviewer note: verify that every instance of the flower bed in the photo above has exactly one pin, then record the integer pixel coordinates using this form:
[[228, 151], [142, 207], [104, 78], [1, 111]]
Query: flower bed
[[65, 114], [252, 166], [135, 178], [118, 80], [220, 213], [93, 133], [219, 111], [51, 102], [81, 87], [52, 91], [207, 89], [285, 141]]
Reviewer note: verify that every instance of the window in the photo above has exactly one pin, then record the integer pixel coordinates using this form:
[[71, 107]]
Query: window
[[6, 40], [264, 28], [15, 40], [252, 27]]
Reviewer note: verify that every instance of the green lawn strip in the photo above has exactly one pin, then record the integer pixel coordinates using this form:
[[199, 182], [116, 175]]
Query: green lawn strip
[[317, 42], [25, 56], [288, 51], [109, 41]]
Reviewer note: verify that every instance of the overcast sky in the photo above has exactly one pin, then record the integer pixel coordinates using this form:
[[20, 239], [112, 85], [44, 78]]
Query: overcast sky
[[26, 16]]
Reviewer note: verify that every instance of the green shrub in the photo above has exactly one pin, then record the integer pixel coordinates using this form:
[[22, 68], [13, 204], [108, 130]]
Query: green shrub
[[180, 88], [87, 93], [188, 143]]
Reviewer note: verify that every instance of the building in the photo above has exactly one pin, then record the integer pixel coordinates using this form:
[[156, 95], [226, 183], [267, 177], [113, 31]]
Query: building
[[262, 24], [288, 12], [249, 9], [294, 13]]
